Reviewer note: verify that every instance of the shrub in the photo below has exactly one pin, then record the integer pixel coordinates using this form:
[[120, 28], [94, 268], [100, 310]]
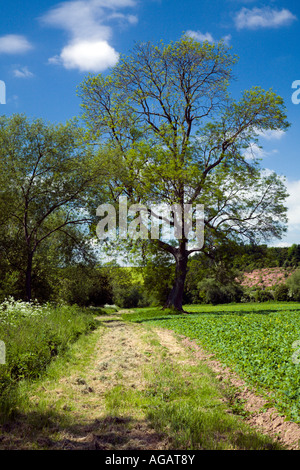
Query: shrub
[[33, 335], [293, 283], [263, 295], [131, 297], [281, 293], [216, 293], [84, 286]]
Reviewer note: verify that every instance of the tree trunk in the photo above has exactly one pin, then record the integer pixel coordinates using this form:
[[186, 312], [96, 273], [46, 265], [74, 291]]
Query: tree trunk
[[28, 277], [175, 298]]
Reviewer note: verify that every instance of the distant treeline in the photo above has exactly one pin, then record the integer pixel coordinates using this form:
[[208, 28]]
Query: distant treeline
[[216, 278], [210, 279], [250, 257]]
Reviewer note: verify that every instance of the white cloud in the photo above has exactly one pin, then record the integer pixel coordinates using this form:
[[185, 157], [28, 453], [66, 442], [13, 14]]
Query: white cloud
[[265, 17], [255, 151], [271, 134], [131, 19], [88, 23], [87, 56], [79, 18], [23, 72], [293, 204], [200, 36], [14, 44], [206, 37], [293, 213]]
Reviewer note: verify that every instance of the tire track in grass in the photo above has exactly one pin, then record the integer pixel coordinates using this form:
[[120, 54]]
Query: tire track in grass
[[116, 373]]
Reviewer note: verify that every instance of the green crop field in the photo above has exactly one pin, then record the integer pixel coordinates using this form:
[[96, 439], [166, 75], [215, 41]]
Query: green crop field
[[255, 340]]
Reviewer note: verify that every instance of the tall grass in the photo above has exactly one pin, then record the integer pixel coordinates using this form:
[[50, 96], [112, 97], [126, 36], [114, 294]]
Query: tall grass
[[33, 335]]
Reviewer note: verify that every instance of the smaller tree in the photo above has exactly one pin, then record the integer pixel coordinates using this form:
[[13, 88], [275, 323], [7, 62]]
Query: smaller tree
[[213, 278], [293, 255], [84, 285], [46, 174], [126, 286], [281, 293]]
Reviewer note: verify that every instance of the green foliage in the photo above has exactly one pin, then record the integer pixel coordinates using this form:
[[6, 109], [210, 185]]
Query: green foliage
[[293, 283], [261, 295], [46, 175], [84, 285], [126, 286], [157, 114], [214, 292], [250, 257], [213, 279], [281, 293], [130, 297], [158, 276]]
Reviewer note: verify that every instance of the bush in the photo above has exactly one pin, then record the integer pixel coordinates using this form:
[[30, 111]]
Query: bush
[[84, 286], [131, 297], [263, 295], [216, 293], [281, 293], [293, 283]]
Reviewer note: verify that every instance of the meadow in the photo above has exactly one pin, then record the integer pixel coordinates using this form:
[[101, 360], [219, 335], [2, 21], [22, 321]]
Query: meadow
[[257, 341], [70, 369]]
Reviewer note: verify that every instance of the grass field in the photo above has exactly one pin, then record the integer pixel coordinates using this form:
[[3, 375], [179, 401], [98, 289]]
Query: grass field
[[130, 386], [107, 379], [256, 340]]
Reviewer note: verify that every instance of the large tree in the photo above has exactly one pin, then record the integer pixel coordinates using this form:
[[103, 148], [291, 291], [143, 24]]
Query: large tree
[[177, 136], [46, 174]]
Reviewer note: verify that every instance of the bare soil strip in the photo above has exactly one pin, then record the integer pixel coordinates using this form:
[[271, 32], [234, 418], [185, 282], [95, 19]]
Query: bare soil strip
[[81, 420]]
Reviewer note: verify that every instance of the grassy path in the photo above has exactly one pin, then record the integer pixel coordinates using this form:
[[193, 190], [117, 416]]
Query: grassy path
[[129, 386]]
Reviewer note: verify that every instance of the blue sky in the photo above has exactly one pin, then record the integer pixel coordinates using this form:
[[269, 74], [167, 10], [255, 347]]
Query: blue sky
[[48, 47]]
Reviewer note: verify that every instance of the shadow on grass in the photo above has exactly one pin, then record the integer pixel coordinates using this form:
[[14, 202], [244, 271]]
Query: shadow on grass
[[140, 318], [57, 431], [234, 312]]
